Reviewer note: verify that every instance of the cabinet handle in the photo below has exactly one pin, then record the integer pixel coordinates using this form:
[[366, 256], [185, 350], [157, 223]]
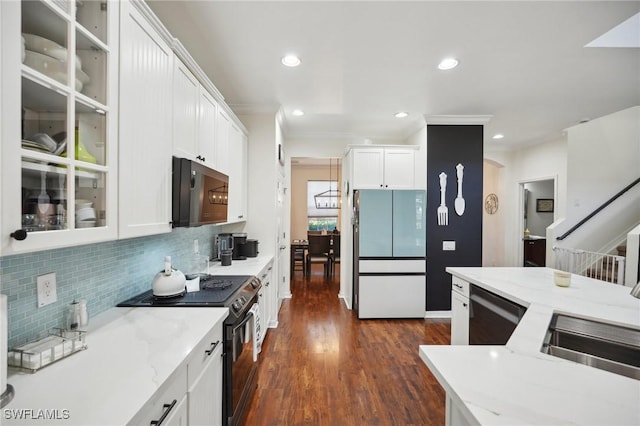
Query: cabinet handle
[[241, 216], [212, 348], [458, 285], [464, 305], [19, 234], [167, 409], [381, 185], [386, 186]]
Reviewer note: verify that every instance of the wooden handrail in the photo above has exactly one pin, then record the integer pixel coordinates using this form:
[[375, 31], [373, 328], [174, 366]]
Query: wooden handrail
[[599, 209]]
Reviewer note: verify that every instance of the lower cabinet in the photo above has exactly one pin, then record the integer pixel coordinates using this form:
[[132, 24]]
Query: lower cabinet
[[459, 319], [192, 396], [178, 416], [167, 403], [268, 306], [459, 312], [205, 391]]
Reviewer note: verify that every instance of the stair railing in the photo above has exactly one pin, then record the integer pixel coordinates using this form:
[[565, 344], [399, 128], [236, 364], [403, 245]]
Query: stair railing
[[599, 209], [601, 266]]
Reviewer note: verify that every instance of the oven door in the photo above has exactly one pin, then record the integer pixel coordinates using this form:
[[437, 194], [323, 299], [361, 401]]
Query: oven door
[[242, 379]]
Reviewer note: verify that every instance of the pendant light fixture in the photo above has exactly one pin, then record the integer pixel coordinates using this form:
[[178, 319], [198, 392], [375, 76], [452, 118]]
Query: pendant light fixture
[[329, 199]]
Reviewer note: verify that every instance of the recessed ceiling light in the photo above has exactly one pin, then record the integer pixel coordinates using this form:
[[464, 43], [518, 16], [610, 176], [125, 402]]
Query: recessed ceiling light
[[498, 136], [291, 61], [297, 112], [401, 114], [448, 63]]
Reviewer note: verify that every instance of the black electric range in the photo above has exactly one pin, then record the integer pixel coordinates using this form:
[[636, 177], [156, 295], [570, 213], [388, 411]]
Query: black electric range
[[231, 291]]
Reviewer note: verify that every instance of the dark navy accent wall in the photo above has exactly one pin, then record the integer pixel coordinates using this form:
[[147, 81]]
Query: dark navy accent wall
[[448, 145]]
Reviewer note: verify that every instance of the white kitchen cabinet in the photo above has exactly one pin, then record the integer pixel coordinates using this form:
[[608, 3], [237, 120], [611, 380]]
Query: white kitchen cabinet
[[146, 68], [459, 312], [269, 301], [221, 154], [237, 175], [207, 122], [383, 167], [167, 404], [186, 93], [194, 117], [59, 123], [205, 380]]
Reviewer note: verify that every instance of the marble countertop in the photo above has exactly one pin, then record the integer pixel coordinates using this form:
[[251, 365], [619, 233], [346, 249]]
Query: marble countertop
[[516, 384], [131, 353], [249, 266]]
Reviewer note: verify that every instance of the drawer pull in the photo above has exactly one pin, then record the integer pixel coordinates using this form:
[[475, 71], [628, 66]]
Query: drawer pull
[[212, 348], [457, 285], [167, 409]]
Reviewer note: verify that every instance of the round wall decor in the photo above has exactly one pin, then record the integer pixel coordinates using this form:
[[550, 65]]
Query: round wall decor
[[491, 203]]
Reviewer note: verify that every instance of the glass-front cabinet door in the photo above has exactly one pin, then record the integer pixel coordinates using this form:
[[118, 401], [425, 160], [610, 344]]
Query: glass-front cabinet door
[[59, 123]]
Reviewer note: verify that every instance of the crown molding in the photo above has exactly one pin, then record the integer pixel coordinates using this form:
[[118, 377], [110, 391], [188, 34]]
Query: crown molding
[[457, 119]]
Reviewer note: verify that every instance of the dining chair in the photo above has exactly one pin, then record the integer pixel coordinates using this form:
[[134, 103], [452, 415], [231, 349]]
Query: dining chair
[[298, 261], [335, 253], [318, 252]]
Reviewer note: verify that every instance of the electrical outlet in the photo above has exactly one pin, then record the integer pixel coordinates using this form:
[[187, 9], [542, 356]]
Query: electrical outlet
[[46, 289], [448, 245]]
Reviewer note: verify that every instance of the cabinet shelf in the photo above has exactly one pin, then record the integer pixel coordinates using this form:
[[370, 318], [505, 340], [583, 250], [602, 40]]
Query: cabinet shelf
[[38, 168]]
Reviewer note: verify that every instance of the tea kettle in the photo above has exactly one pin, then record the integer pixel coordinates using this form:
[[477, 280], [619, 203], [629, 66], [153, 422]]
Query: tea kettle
[[169, 285]]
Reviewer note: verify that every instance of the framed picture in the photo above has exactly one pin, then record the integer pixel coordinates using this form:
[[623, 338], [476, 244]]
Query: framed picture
[[544, 205], [281, 154]]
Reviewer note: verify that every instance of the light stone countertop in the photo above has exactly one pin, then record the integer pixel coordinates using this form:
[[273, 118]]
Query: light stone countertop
[[517, 384], [131, 353], [249, 266]]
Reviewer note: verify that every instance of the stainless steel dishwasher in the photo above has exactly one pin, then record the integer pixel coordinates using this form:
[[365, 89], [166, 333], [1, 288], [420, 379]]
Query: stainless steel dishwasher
[[492, 318]]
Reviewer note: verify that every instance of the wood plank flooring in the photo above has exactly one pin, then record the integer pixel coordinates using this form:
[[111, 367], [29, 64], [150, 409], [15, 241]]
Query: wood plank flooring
[[324, 366]]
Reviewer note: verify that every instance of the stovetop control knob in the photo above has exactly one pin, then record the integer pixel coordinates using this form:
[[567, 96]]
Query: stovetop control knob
[[236, 306], [254, 283], [243, 299]]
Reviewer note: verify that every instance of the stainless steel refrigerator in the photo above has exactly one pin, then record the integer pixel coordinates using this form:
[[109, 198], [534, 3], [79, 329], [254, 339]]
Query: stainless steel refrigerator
[[389, 232]]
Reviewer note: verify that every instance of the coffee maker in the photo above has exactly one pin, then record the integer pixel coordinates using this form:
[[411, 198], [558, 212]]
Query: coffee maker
[[239, 240]]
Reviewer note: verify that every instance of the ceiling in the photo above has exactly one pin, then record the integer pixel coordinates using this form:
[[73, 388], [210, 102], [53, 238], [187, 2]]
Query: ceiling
[[523, 63]]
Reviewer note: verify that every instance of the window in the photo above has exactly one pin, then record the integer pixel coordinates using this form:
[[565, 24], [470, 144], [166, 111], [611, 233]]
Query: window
[[322, 217]]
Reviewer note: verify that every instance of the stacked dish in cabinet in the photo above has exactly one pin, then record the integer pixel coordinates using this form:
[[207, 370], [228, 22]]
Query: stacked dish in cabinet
[[68, 60]]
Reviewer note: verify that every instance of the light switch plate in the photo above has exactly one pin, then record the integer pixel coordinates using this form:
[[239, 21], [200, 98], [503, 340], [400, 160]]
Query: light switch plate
[[448, 245], [46, 289]]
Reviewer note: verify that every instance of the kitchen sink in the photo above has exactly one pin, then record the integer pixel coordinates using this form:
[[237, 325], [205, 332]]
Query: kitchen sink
[[600, 345]]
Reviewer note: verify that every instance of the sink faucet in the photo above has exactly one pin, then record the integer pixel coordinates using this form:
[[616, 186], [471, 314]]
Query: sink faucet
[[635, 291]]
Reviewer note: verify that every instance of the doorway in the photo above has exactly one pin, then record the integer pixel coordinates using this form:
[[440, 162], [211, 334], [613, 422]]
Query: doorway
[[314, 203], [537, 211]]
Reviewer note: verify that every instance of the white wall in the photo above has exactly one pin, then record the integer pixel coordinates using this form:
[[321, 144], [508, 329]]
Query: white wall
[[492, 224], [537, 222], [544, 161], [603, 157]]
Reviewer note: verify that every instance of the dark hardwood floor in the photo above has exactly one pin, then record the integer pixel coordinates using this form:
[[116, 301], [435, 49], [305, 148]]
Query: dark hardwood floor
[[324, 366]]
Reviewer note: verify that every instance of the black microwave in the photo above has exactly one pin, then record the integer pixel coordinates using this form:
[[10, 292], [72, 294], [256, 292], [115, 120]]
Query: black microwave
[[200, 195]]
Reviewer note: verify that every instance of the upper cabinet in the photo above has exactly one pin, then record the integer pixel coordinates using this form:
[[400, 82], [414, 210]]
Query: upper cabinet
[[388, 167], [146, 143], [59, 123], [238, 175], [194, 117]]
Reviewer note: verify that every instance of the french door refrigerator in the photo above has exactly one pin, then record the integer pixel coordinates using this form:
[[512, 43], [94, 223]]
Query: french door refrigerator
[[389, 232]]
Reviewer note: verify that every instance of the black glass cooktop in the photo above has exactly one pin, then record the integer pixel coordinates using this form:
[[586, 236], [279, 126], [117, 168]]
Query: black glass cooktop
[[214, 291]]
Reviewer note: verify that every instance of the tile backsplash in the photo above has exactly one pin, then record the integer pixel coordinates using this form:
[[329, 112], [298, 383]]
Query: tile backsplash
[[104, 274]]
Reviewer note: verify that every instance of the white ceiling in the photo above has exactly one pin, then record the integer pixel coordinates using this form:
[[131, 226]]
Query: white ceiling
[[524, 63]]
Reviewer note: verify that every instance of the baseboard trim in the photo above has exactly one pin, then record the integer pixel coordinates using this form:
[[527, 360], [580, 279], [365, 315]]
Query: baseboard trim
[[437, 314]]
